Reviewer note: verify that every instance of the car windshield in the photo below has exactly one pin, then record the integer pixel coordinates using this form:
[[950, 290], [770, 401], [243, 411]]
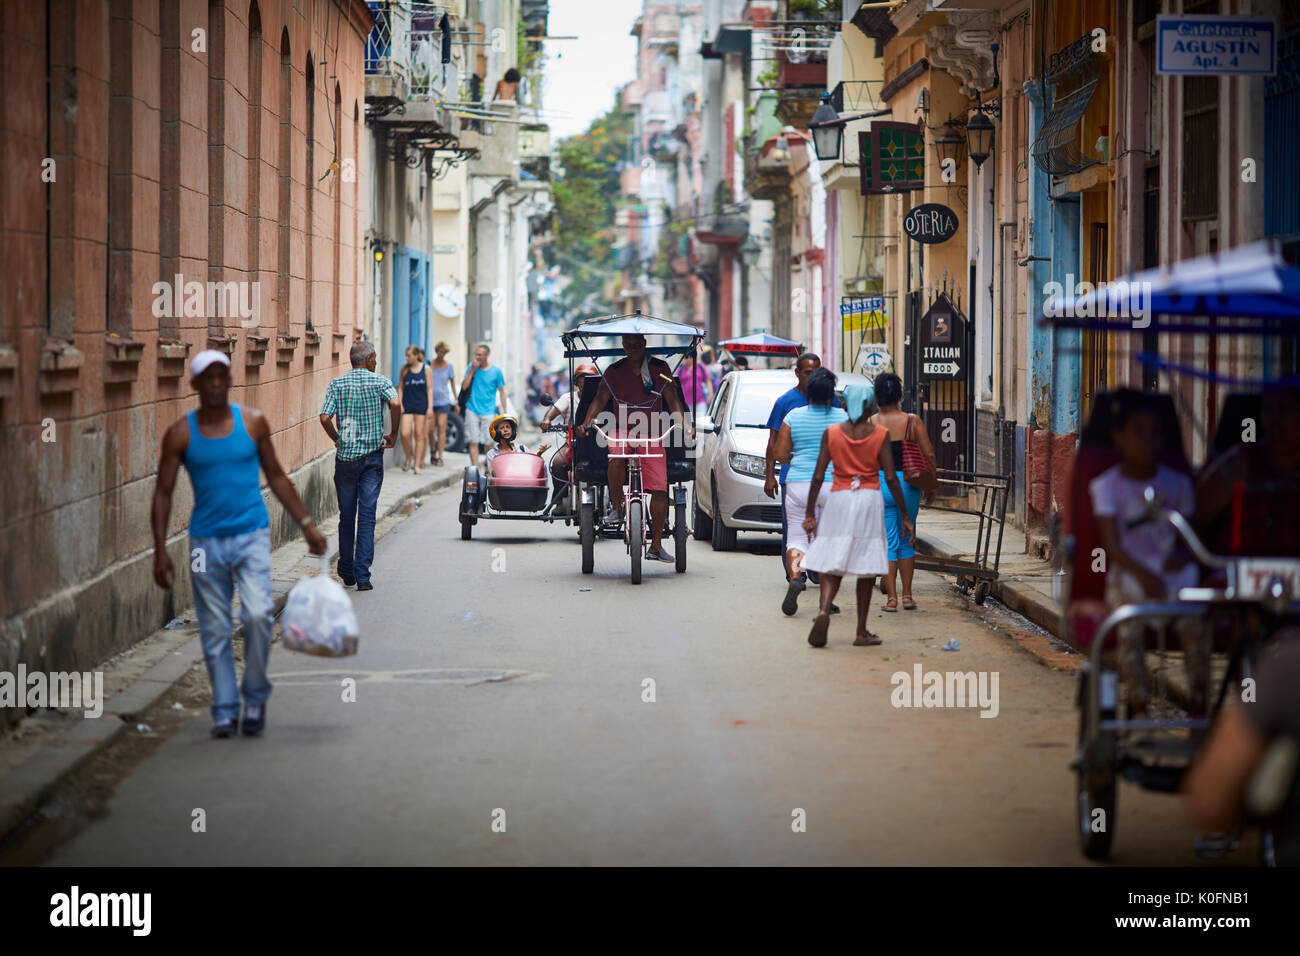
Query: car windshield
[[754, 404]]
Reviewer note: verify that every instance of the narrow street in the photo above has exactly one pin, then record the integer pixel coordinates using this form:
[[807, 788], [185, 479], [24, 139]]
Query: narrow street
[[518, 690]]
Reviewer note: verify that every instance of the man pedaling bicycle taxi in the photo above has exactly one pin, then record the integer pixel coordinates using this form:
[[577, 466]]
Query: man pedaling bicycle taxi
[[561, 414], [640, 386]]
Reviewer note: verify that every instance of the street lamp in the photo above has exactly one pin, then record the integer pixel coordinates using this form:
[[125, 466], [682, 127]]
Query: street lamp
[[826, 131], [979, 137], [827, 128], [949, 143], [979, 128]]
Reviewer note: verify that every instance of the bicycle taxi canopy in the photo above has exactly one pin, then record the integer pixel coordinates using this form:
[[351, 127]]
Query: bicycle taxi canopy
[[634, 323]]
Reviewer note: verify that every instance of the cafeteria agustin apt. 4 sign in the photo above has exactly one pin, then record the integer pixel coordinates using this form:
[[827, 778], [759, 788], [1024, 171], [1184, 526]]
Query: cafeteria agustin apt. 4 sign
[[930, 222], [1215, 45]]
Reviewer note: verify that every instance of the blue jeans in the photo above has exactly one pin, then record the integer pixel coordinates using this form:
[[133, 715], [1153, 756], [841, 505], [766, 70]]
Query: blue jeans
[[221, 565], [357, 483], [785, 532], [899, 548]]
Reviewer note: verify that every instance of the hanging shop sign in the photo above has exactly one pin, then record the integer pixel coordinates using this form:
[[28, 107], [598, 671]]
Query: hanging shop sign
[[864, 313], [930, 222], [943, 337], [1216, 46]]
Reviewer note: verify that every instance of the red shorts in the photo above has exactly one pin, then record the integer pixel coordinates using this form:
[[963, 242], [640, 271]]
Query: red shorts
[[654, 470]]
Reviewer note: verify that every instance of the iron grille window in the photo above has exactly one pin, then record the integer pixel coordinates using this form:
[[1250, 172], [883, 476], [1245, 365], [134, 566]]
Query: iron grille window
[[1282, 140]]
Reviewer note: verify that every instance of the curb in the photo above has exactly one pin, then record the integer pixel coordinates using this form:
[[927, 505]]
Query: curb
[[1023, 601], [24, 789]]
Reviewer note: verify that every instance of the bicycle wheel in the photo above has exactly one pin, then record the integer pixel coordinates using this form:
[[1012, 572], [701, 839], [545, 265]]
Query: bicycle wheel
[[587, 529], [635, 536], [679, 536]]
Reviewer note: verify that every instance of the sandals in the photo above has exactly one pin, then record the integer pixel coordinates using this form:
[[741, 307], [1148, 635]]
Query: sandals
[[908, 603], [867, 640], [891, 606], [817, 636]]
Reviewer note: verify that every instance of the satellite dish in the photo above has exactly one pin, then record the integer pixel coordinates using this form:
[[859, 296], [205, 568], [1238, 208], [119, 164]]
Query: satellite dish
[[448, 301]]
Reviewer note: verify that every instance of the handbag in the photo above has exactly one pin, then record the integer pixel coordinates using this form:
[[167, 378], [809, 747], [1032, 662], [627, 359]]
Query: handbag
[[463, 398], [916, 467]]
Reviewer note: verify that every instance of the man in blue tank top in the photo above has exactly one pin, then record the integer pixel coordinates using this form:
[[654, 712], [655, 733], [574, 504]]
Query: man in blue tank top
[[222, 446]]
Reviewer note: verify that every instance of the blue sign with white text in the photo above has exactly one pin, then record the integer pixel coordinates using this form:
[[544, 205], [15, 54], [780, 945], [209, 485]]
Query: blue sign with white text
[[1216, 46]]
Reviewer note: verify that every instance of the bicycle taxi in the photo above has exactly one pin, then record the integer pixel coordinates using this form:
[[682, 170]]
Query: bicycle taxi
[[592, 452], [1244, 597]]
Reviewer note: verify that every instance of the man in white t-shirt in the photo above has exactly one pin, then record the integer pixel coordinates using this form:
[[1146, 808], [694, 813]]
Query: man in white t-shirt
[[562, 413]]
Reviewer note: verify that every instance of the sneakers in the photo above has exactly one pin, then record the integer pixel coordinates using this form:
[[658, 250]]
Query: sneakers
[[660, 555], [792, 592], [254, 719], [225, 728]]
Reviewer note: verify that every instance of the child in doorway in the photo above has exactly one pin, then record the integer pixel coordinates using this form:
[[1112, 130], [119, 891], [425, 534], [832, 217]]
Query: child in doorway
[[1143, 563]]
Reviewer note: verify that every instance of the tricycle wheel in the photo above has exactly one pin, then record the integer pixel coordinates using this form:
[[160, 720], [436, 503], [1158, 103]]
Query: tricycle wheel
[[981, 592], [587, 531], [635, 538], [679, 536], [466, 528], [1094, 778], [1096, 791]]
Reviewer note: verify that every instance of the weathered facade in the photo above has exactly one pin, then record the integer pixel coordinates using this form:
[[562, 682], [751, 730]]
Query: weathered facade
[[178, 176]]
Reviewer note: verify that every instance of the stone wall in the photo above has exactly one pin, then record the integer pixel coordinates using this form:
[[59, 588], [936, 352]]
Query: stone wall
[[175, 142]]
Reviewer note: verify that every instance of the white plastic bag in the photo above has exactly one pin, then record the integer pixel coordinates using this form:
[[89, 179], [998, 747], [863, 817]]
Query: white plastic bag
[[318, 617]]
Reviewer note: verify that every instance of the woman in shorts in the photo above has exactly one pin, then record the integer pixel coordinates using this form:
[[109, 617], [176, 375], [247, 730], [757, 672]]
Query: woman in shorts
[[416, 385], [443, 374]]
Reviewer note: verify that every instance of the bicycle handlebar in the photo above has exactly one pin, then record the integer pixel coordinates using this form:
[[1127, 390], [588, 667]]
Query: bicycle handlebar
[[1182, 526], [609, 438]]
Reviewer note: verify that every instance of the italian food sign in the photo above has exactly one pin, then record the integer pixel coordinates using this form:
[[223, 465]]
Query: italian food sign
[[930, 222]]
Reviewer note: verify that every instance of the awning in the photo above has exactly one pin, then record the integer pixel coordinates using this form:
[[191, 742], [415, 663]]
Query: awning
[[1251, 282]]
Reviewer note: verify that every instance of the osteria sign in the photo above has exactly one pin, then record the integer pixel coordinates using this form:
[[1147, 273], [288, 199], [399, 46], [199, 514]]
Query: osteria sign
[[930, 222]]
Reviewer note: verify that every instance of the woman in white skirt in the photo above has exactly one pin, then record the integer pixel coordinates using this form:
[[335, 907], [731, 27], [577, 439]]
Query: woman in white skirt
[[848, 537]]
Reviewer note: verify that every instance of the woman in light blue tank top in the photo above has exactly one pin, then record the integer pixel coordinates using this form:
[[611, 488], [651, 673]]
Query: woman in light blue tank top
[[800, 438], [226, 477]]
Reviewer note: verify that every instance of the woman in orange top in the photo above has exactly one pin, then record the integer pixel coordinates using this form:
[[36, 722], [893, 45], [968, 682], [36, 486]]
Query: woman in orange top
[[850, 537]]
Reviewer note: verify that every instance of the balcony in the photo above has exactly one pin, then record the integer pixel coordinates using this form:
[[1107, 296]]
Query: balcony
[[388, 57]]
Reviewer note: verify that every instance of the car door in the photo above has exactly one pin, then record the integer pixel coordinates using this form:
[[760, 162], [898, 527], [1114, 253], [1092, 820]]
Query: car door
[[710, 442]]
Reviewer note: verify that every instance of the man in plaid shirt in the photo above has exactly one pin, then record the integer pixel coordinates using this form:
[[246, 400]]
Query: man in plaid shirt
[[357, 400]]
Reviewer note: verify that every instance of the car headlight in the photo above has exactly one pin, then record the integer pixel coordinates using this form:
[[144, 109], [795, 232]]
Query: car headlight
[[748, 464]]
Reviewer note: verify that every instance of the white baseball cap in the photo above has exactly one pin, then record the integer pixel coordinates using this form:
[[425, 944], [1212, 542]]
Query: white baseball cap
[[199, 364]]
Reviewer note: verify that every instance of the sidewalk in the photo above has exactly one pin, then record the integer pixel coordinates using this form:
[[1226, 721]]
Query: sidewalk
[[1024, 582], [40, 754]]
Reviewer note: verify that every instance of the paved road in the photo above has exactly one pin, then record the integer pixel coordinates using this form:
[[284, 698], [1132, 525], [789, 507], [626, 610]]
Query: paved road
[[748, 725]]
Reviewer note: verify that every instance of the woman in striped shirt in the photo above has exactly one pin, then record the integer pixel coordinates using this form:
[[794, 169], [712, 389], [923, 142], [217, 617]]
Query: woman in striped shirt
[[800, 438]]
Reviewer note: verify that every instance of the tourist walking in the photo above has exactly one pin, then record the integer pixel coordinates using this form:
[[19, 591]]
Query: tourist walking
[[800, 441], [487, 393], [696, 385], [849, 538], [417, 397], [907, 436], [443, 374], [221, 446], [357, 400]]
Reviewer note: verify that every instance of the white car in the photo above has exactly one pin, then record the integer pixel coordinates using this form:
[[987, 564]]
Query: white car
[[731, 458]]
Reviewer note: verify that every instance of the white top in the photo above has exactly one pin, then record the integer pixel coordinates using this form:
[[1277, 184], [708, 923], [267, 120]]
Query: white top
[[563, 405], [1116, 496]]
